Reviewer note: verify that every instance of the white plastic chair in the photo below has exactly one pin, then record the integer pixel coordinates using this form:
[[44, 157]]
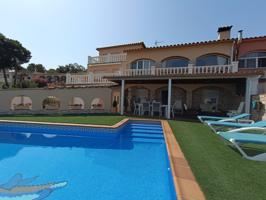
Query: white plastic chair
[[239, 110], [177, 108], [145, 108], [156, 108], [136, 108]]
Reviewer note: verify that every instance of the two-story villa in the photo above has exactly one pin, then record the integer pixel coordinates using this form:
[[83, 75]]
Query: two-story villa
[[211, 76]]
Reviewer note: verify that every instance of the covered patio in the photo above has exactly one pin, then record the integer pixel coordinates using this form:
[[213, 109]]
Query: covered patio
[[172, 96]]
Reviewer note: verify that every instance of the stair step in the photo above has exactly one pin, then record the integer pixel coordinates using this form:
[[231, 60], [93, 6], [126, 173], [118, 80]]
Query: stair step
[[147, 131], [147, 136], [147, 125], [147, 140], [146, 128]]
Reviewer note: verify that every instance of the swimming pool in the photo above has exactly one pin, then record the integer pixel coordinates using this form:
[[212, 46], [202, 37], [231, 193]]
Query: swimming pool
[[68, 162]]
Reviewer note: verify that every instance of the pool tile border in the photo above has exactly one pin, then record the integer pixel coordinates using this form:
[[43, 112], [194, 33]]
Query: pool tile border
[[185, 183], [186, 186], [118, 124]]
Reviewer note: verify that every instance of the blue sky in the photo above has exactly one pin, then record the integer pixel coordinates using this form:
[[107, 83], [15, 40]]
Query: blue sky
[[59, 32]]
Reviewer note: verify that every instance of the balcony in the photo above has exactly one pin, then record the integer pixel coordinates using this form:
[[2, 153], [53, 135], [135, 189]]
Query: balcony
[[153, 72], [88, 79], [109, 58], [191, 70]]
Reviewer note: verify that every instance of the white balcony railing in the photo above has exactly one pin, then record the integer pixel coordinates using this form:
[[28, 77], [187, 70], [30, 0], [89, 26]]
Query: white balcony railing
[[87, 79], [109, 58], [190, 70], [101, 79]]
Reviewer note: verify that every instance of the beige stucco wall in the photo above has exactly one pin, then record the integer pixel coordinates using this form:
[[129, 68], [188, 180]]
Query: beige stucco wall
[[65, 95], [190, 52], [105, 68], [159, 54], [252, 45]]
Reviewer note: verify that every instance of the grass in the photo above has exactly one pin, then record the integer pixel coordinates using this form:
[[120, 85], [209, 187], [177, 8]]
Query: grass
[[81, 119], [220, 170]]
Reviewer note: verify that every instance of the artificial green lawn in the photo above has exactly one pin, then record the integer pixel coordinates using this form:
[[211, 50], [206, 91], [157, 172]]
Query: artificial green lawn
[[220, 170], [82, 119]]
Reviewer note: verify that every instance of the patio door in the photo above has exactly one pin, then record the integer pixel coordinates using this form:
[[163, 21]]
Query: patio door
[[164, 97]]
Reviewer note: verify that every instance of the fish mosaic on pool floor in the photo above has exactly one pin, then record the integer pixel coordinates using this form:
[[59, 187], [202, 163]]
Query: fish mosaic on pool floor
[[19, 188]]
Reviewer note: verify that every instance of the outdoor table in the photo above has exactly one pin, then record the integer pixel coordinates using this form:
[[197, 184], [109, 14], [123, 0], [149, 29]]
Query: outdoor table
[[140, 108]]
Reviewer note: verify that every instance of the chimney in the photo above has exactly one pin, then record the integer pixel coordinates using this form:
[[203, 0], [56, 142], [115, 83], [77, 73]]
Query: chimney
[[240, 35], [224, 32]]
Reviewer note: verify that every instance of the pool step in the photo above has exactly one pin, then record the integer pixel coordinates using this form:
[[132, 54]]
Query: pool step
[[153, 132], [147, 140], [143, 135], [147, 125], [146, 128]]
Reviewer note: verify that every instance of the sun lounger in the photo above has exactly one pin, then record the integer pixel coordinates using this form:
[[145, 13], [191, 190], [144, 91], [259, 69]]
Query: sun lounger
[[233, 118], [236, 124], [236, 137]]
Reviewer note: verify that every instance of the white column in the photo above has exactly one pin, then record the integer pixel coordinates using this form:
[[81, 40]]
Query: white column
[[251, 89], [169, 98], [122, 94]]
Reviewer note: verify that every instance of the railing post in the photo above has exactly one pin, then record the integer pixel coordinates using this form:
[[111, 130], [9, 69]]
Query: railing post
[[190, 68], [90, 78], [68, 78], [153, 70], [89, 59], [234, 66], [108, 57]]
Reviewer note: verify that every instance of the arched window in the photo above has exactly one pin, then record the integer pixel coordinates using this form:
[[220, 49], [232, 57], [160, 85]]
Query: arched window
[[76, 103], [175, 62], [51, 103], [21, 103], [97, 104], [142, 64], [253, 60], [208, 60]]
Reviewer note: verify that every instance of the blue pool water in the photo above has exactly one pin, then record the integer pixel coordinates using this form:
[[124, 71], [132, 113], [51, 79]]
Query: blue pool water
[[85, 163]]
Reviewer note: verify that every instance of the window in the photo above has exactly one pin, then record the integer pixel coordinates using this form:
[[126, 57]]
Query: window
[[212, 60], [175, 62], [142, 64], [253, 60]]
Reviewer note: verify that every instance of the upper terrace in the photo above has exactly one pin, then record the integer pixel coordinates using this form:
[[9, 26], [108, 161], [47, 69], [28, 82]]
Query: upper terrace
[[113, 54], [107, 59]]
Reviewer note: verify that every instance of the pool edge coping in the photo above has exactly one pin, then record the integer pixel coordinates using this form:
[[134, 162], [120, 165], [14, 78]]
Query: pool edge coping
[[116, 125], [185, 184]]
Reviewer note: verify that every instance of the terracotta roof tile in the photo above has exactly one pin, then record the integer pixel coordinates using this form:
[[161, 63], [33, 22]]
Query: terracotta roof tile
[[122, 45], [188, 44], [254, 38], [183, 44]]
